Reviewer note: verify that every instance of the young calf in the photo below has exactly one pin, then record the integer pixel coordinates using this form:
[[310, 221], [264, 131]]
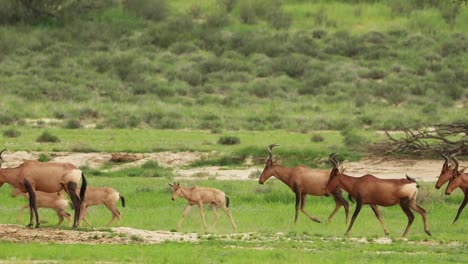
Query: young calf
[[199, 196], [55, 201], [101, 195]]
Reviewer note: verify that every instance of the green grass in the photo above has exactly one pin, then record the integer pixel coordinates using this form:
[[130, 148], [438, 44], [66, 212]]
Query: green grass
[[265, 210]]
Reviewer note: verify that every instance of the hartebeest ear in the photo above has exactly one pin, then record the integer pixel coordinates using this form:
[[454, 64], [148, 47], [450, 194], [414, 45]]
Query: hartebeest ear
[[169, 184]]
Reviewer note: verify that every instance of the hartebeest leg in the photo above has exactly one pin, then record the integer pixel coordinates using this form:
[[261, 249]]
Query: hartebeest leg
[[76, 202], [298, 200], [379, 216], [115, 213], [215, 210], [303, 202], [355, 214], [228, 213], [462, 205], [61, 215], [32, 204], [413, 205], [339, 201], [202, 214], [404, 203], [184, 214]]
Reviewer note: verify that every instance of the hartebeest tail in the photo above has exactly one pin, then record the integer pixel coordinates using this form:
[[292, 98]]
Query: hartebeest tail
[[374, 191], [227, 201], [122, 199], [84, 184]]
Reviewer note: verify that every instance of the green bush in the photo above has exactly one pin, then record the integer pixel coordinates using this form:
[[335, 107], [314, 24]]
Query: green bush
[[229, 140], [353, 139], [47, 137], [11, 133], [73, 124], [156, 10], [43, 158], [317, 138]]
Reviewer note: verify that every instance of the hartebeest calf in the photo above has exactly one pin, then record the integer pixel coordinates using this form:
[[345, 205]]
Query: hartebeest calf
[[54, 201], [199, 196], [49, 177], [374, 191], [459, 179], [302, 181], [102, 195]]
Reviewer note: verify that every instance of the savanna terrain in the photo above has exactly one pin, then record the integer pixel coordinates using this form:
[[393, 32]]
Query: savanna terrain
[[195, 91]]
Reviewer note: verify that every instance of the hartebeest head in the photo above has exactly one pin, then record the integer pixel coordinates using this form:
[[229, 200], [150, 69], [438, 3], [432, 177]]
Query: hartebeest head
[[456, 178], [334, 175], [175, 187], [446, 173], [268, 170]]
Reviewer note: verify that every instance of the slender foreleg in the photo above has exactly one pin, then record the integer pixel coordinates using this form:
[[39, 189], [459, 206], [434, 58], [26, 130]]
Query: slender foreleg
[[184, 214], [202, 214], [215, 210], [339, 201], [298, 200], [462, 206], [303, 202], [355, 214], [115, 213], [404, 203], [379, 216]]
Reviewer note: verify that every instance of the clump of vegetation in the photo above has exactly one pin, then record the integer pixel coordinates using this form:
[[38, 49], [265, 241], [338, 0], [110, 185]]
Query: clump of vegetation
[[11, 133], [73, 124], [317, 138], [229, 140], [43, 157], [47, 137]]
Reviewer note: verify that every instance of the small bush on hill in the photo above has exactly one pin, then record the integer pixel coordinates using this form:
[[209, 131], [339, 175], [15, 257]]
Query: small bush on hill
[[47, 137], [229, 140], [11, 133]]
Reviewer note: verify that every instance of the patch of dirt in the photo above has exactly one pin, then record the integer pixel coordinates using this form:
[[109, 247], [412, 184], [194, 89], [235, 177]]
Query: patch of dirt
[[118, 235], [421, 170]]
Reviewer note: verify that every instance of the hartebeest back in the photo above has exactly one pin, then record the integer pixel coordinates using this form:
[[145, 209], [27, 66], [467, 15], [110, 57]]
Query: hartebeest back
[[459, 179], [302, 181], [374, 191], [49, 177]]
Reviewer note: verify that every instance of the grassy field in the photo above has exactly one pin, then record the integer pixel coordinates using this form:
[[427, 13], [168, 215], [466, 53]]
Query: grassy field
[[266, 212]]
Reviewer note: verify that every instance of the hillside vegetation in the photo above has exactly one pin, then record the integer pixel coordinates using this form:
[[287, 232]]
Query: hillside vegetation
[[234, 64]]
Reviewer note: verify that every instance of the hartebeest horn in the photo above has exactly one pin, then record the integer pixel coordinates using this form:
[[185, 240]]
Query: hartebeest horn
[[270, 150], [456, 165], [446, 159], [333, 160], [1, 152]]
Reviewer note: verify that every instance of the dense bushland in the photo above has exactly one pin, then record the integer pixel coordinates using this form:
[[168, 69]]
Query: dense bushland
[[229, 65]]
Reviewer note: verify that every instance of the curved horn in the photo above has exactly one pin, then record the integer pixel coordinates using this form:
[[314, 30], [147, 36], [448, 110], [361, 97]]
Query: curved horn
[[456, 164], [270, 147], [445, 158], [1, 152], [332, 159]]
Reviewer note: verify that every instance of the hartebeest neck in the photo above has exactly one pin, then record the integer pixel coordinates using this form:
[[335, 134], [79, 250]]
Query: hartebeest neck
[[346, 182], [9, 175], [283, 174], [185, 192]]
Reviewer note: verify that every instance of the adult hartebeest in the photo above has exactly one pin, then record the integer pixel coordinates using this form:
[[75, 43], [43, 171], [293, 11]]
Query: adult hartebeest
[[458, 178], [49, 177], [303, 181], [373, 191]]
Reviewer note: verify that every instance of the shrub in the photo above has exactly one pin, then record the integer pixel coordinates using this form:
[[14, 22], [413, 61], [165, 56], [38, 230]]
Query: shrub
[[47, 137], [73, 124], [11, 133], [354, 140], [247, 12], [278, 19], [293, 65], [156, 10], [317, 138], [43, 158], [229, 140]]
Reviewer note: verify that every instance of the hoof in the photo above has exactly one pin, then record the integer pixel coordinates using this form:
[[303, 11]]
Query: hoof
[[30, 225], [316, 220], [428, 232]]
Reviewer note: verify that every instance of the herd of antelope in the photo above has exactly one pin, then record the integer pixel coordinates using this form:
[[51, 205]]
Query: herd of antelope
[[42, 184]]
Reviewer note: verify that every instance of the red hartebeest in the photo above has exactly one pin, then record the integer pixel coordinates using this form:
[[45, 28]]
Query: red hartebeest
[[303, 181], [459, 179], [199, 196], [373, 191], [49, 177]]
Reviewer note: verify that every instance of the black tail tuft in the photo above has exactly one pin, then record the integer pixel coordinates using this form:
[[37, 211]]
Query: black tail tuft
[[122, 199], [83, 187], [227, 201], [412, 179]]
